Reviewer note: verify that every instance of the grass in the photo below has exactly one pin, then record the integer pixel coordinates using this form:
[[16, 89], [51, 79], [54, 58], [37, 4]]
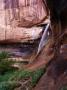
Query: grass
[[7, 85], [36, 76], [10, 77], [15, 76]]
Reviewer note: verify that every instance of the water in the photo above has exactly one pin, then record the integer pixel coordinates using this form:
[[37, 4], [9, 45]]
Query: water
[[44, 38]]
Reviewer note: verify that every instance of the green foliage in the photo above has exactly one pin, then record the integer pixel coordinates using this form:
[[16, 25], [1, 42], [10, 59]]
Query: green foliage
[[6, 77], [15, 76], [9, 76], [5, 64], [20, 75], [64, 88], [8, 85], [36, 76], [3, 55]]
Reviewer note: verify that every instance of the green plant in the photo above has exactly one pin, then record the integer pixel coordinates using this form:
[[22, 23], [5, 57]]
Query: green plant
[[36, 76], [9, 79], [3, 55], [5, 64], [9, 76], [64, 88], [8, 85]]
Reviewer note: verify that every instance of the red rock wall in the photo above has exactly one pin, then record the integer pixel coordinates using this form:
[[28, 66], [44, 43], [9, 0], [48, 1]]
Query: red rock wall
[[16, 14]]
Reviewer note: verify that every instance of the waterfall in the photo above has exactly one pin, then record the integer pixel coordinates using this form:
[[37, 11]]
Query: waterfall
[[43, 38]]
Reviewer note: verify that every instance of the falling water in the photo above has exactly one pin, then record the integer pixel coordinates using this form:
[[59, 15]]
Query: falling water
[[43, 39]]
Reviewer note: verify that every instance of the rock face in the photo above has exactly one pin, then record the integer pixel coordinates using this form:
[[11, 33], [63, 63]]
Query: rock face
[[16, 14]]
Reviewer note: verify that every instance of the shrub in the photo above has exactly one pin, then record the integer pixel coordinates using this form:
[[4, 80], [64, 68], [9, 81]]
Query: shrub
[[9, 76], [3, 55], [8, 85], [64, 88], [5, 64]]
